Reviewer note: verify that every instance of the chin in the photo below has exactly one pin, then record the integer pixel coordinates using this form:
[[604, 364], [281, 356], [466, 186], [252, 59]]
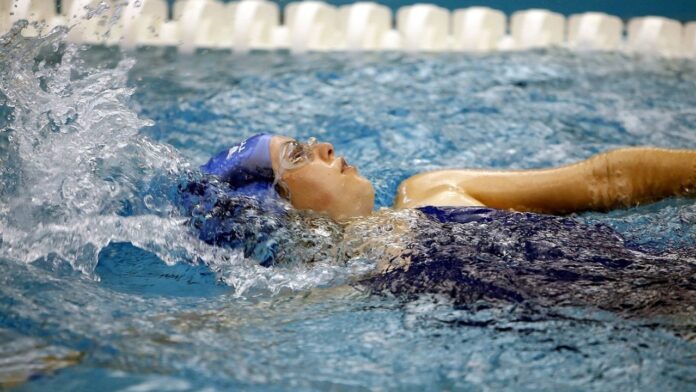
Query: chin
[[366, 203], [358, 204]]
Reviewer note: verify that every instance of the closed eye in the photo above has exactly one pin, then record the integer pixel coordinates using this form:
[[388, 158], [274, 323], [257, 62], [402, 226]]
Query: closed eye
[[296, 153]]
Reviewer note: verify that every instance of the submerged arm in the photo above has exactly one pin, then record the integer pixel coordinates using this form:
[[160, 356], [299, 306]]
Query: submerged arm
[[617, 178]]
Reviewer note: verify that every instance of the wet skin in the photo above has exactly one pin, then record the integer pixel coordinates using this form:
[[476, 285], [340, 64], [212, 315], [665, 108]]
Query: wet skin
[[325, 183], [618, 178]]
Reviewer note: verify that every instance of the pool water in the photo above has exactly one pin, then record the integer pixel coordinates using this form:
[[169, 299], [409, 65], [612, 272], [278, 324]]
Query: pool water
[[105, 287]]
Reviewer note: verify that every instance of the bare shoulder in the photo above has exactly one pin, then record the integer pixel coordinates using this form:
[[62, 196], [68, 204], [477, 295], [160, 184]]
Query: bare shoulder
[[436, 188]]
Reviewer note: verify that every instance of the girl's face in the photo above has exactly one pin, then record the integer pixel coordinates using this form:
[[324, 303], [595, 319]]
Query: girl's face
[[315, 179]]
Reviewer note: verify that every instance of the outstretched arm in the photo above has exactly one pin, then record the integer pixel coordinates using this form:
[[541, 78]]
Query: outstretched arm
[[618, 178]]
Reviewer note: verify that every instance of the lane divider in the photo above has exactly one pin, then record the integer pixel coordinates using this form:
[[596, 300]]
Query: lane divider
[[477, 29], [363, 26], [655, 34], [595, 31]]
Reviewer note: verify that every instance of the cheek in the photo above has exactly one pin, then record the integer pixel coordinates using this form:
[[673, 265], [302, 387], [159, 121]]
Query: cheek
[[360, 187], [310, 190]]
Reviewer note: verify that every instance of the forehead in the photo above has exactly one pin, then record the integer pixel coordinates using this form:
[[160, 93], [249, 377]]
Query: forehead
[[284, 139]]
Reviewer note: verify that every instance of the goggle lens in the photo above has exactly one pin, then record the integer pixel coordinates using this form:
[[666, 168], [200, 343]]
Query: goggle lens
[[295, 154]]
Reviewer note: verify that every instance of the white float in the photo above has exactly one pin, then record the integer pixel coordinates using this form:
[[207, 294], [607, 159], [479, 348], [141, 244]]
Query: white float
[[72, 10], [423, 27], [91, 21], [506, 43], [201, 24], [42, 12], [9, 15], [5, 21], [16, 9], [253, 25], [594, 31], [391, 40], [280, 37], [689, 39], [141, 23], [34, 10], [363, 25], [315, 25], [654, 34], [311, 25], [537, 28], [66, 7], [477, 29], [169, 33]]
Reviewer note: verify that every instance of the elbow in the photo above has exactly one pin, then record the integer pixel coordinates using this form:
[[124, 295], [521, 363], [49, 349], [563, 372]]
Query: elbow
[[611, 182]]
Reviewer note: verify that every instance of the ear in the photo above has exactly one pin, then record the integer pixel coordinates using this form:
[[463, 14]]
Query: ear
[[282, 190]]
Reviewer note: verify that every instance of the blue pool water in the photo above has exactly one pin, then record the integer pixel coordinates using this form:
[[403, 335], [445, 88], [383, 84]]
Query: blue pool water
[[105, 287]]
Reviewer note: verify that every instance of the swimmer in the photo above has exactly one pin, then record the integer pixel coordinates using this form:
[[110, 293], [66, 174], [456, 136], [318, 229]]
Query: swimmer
[[470, 235], [313, 177]]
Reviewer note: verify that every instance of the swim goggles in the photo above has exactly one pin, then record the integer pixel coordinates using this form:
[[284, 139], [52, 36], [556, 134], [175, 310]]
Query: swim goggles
[[294, 154]]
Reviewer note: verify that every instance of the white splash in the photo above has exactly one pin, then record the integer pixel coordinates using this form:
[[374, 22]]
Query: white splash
[[76, 174]]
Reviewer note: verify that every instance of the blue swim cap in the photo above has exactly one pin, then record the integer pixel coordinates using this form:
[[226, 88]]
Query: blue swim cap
[[245, 164]]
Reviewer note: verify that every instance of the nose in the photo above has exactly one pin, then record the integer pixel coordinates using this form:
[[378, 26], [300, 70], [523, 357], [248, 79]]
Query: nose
[[325, 151]]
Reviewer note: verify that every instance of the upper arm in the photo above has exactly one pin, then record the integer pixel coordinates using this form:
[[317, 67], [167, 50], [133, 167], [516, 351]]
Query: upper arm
[[437, 188], [559, 190], [555, 190]]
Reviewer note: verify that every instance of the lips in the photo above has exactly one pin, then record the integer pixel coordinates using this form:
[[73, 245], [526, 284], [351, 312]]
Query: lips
[[344, 165]]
